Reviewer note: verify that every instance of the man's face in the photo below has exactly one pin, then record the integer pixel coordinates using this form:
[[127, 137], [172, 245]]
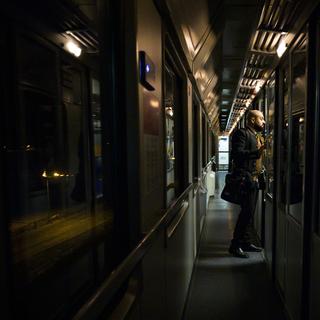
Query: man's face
[[259, 122]]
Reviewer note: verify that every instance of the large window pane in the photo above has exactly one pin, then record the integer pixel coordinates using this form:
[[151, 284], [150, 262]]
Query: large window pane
[[204, 141], [34, 72], [270, 108], [97, 132], [170, 134], [195, 130], [60, 218], [284, 125], [174, 134], [51, 221], [297, 130]]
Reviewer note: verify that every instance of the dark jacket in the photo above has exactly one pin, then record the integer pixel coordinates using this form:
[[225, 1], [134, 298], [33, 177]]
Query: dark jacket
[[244, 152]]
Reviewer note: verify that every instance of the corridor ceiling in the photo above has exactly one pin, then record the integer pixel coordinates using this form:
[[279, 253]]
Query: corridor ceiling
[[215, 36], [231, 48]]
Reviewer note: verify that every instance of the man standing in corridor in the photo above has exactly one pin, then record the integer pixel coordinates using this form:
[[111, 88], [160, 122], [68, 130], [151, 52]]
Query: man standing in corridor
[[246, 152]]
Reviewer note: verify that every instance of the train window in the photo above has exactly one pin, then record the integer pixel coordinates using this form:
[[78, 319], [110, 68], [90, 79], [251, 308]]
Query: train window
[[284, 126], [97, 136], [60, 220], [204, 141], [34, 72], [88, 8], [299, 59], [170, 154], [209, 153], [195, 115], [49, 166], [270, 108], [213, 148], [173, 128]]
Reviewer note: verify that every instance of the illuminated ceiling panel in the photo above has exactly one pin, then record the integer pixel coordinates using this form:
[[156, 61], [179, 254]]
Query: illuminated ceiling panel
[[275, 27]]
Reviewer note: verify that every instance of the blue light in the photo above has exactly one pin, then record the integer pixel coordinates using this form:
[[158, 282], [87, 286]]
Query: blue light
[[148, 68]]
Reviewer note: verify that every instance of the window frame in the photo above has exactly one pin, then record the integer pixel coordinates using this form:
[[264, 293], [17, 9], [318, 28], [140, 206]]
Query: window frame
[[172, 59]]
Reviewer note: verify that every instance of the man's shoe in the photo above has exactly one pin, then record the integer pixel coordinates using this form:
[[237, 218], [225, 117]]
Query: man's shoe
[[238, 252], [249, 247]]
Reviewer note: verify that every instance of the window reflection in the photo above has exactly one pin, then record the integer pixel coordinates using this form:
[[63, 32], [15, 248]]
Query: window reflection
[[53, 172], [34, 72], [204, 140], [270, 103], [96, 119], [170, 138], [195, 133], [283, 163], [297, 131], [60, 220]]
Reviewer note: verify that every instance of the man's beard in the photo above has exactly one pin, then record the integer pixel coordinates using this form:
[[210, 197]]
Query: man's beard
[[258, 128]]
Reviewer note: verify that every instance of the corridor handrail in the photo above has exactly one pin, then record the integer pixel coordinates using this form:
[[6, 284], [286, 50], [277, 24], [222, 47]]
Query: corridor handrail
[[101, 298]]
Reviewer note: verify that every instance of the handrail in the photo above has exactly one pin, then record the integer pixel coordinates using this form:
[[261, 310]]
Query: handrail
[[173, 208], [127, 301], [207, 165], [174, 225], [196, 186], [98, 301]]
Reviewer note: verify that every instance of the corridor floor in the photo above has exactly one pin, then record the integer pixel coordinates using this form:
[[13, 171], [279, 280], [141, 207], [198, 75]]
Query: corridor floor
[[224, 287]]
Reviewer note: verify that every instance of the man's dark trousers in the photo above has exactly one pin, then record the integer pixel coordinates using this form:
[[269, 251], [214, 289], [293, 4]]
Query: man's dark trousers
[[244, 230]]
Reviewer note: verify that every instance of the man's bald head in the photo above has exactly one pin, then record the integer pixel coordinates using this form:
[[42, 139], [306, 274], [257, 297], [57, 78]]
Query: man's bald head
[[252, 114], [255, 120]]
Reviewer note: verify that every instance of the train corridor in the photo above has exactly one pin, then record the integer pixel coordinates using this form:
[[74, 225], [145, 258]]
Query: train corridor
[[224, 287], [118, 120]]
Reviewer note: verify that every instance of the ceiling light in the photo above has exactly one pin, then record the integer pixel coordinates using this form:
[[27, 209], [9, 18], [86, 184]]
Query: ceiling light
[[73, 48], [226, 91], [282, 47]]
